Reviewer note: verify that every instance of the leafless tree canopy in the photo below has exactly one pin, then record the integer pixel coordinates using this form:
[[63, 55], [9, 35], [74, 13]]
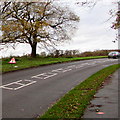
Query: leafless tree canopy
[[116, 23]]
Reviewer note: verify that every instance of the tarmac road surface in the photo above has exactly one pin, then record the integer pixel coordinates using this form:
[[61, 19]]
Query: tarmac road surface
[[28, 93]]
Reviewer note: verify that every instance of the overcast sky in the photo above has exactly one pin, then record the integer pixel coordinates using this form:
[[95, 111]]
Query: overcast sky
[[93, 33]]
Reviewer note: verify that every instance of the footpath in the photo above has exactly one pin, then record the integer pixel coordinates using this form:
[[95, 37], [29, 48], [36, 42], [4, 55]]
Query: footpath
[[105, 102]]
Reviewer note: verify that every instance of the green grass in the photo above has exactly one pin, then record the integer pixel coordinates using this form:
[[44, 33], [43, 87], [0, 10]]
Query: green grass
[[26, 62], [73, 104]]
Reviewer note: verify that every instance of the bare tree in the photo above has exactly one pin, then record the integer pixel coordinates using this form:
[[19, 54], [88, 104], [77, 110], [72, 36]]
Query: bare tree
[[116, 23], [36, 22]]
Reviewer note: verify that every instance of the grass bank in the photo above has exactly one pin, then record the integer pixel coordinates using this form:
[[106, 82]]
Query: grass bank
[[73, 104], [27, 62]]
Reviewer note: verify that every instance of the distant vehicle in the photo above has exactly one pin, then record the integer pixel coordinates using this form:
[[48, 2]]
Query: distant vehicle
[[114, 54]]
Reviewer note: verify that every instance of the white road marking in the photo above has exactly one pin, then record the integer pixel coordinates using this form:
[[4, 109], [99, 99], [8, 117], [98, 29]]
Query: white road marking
[[62, 70], [82, 65], [48, 76], [51, 74], [58, 70], [44, 75], [85, 64], [71, 66], [10, 83], [31, 82], [7, 86], [79, 66], [92, 63], [66, 70], [37, 76]]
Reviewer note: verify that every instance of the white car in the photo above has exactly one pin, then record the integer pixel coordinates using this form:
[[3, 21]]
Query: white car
[[114, 54]]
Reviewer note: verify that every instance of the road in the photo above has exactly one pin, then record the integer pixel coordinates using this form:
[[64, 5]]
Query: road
[[29, 93]]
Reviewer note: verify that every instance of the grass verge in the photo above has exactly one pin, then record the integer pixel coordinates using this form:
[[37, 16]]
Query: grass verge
[[26, 62], [73, 104]]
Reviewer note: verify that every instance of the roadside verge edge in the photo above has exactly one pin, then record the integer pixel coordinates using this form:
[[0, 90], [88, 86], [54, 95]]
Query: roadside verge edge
[[74, 103]]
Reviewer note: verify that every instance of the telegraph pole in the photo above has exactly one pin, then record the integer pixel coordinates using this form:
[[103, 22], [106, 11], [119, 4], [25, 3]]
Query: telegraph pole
[[119, 27]]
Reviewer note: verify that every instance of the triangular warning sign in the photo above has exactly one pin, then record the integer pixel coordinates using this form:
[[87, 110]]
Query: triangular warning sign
[[12, 61]]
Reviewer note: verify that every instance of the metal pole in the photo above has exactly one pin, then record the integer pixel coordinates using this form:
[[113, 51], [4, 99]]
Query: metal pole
[[119, 27]]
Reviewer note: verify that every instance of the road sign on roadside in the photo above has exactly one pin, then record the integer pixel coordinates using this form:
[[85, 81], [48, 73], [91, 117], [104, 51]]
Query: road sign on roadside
[[12, 61]]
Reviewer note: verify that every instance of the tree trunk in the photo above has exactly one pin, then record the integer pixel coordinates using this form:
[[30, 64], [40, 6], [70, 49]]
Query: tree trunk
[[33, 52]]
